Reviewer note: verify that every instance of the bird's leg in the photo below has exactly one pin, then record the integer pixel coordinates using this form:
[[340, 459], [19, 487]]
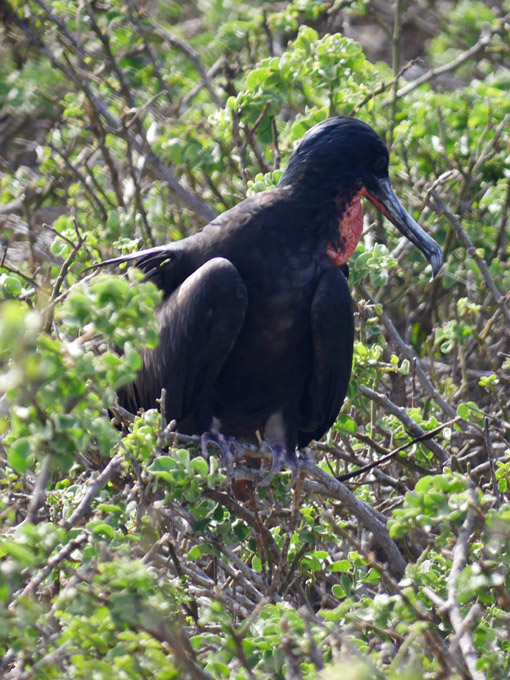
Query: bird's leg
[[278, 443]]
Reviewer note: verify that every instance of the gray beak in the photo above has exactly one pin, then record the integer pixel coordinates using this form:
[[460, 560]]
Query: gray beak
[[382, 195]]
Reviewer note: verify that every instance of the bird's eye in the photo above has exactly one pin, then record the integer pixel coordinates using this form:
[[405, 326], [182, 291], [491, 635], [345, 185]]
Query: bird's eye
[[380, 166]]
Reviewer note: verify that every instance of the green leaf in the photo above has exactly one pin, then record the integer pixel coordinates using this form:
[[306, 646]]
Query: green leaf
[[346, 424], [199, 550], [162, 464], [338, 591], [463, 411], [256, 78], [200, 465], [101, 529], [109, 507], [20, 455], [341, 565], [373, 577]]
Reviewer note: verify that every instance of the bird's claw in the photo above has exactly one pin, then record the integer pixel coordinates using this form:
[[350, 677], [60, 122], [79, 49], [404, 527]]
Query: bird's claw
[[227, 446], [280, 456], [274, 456]]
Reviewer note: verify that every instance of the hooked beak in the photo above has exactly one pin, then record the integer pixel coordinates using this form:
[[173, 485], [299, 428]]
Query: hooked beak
[[383, 197]]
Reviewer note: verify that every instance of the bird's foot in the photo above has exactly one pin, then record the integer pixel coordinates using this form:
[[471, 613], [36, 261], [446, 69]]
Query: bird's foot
[[273, 457], [281, 456], [228, 447]]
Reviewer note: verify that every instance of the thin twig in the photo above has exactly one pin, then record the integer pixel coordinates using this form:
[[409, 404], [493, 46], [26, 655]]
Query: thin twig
[[39, 492], [451, 606], [413, 358], [492, 460], [499, 299], [452, 65], [53, 562], [382, 88], [424, 437], [214, 70], [60, 278], [362, 511], [14, 270], [412, 427], [194, 57], [92, 491]]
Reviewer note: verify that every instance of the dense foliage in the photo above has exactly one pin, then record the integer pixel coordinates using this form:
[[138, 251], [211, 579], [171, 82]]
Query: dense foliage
[[125, 552]]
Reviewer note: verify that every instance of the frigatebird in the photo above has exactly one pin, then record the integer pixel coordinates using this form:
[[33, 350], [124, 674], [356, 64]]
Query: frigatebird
[[256, 323]]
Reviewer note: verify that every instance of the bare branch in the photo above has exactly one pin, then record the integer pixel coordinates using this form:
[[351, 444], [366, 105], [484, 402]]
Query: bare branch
[[499, 299], [451, 606], [92, 491], [452, 65], [52, 563], [81, 81], [409, 353], [193, 56]]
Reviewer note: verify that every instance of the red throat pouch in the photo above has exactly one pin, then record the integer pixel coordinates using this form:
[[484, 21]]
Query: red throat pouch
[[350, 228]]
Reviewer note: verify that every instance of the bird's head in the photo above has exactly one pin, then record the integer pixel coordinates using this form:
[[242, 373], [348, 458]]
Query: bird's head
[[342, 159]]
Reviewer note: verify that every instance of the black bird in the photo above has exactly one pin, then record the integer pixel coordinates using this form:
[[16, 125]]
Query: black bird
[[256, 323]]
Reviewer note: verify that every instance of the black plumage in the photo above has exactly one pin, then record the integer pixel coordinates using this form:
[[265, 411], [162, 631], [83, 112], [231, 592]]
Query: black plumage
[[256, 323]]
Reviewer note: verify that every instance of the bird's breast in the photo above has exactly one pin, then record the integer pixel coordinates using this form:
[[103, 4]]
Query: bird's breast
[[270, 363], [271, 357]]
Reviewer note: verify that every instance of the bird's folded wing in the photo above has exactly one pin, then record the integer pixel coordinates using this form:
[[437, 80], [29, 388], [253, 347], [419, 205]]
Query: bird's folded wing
[[332, 327]]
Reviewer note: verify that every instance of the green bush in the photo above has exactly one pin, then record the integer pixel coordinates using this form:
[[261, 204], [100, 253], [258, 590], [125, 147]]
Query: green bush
[[125, 549]]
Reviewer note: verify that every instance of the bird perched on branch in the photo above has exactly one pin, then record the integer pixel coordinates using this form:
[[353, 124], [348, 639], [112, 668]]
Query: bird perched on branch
[[256, 323]]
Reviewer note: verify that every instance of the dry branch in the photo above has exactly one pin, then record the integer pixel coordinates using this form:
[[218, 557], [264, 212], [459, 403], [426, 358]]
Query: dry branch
[[499, 299], [94, 488], [451, 607], [478, 48], [82, 80]]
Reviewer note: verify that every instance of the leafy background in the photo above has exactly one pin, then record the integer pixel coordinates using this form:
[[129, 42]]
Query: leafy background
[[126, 124]]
